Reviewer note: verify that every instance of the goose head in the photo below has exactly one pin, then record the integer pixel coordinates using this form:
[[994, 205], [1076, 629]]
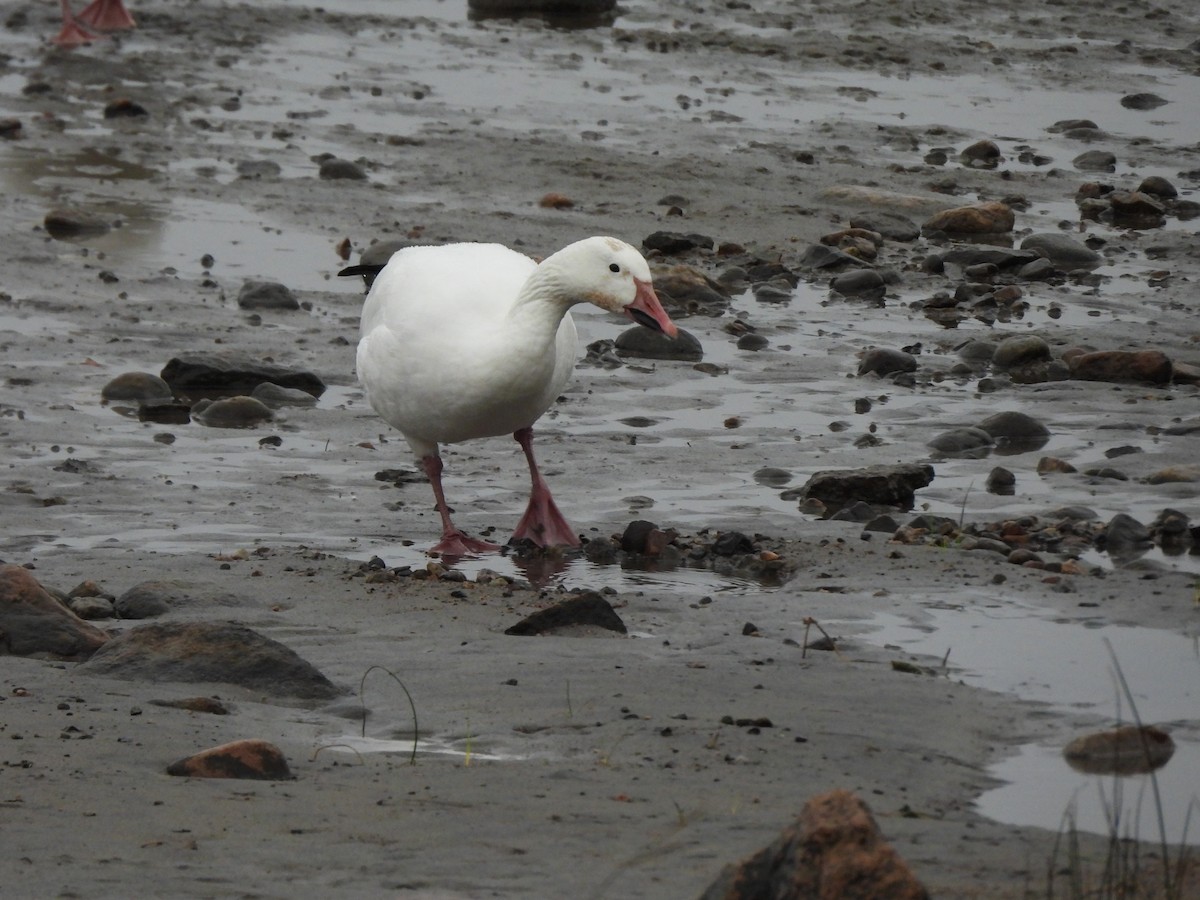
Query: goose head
[[612, 275]]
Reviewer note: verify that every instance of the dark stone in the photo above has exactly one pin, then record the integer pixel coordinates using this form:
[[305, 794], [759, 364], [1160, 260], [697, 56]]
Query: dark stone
[[892, 226], [266, 295], [586, 609], [1063, 250], [886, 361], [1065, 125], [732, 543], [1128, 750], [752, 342], [858, 511], [231, 412], [200, 374], [1001, 481], [341, 169], [1016, 431], [1143, 101], [819, 256], [967, 443], [1133, 209], [275, 397], [258, 169], [1159, 187], [1020, 350], [633, 539], [670, 242], [882, 485], [646, 343], [566, 12], [221, 652], [170, 412], [833, 850], [34, 622], [984, 154], [153, 598], [1125, 536], [1038, 270], [884, 523], [1095, 161], [64, 224], [859, 283], [136, 386], [124, 109], [772, 477], [1001, 257]]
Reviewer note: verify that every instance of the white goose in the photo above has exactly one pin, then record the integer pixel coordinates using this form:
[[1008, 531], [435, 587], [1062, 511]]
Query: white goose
[[467, 341]]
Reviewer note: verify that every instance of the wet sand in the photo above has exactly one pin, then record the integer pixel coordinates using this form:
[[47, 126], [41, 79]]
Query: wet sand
[[609, 756]]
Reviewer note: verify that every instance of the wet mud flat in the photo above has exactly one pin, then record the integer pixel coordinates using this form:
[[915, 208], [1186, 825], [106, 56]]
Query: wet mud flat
[[756, 128]]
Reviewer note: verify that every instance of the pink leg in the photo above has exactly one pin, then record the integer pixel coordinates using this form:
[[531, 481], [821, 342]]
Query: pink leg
[[453, 542], [542, 523], [73, 34], [107, 15]]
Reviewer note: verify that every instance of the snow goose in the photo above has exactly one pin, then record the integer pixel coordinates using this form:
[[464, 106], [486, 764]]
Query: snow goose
[[466, 341]]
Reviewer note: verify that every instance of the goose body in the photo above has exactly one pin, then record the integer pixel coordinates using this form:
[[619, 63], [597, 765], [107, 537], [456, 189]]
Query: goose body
[[466, 341]]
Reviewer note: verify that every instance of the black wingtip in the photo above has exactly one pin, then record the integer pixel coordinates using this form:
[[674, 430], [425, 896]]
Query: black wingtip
[[364, 271], [368, 273]]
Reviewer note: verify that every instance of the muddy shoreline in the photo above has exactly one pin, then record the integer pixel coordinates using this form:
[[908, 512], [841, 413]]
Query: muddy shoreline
[[761, 128]]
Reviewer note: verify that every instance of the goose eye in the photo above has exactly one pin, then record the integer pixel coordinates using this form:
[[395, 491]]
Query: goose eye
[[613, 267]]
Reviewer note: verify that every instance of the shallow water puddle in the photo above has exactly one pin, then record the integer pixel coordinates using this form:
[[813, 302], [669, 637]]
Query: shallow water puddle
[[1018, 650], [463, 750]]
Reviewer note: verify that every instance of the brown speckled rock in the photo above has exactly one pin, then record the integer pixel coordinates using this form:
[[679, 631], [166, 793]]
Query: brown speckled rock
[[238, 759], [834, 851]]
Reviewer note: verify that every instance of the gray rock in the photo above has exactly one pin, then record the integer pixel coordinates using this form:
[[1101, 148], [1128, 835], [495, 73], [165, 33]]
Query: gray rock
[[197, 374], [859, 283], [886, 361], [258, 169], [1095, 161], [275, 397], [819, 256], [231, 412], [1001, 257], [1143, 101], [892, 226], [1001, 481], [210, 652], [752, 342], [972, 443], [153, 598], [65, 224], [1125, 536], [136, 386], [1015, 431], [266, 295], [671, 242], [647, 343], [1063, 250], [92, 607], [883, 485], [341, 169], [1020, 350], [580, 614]]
